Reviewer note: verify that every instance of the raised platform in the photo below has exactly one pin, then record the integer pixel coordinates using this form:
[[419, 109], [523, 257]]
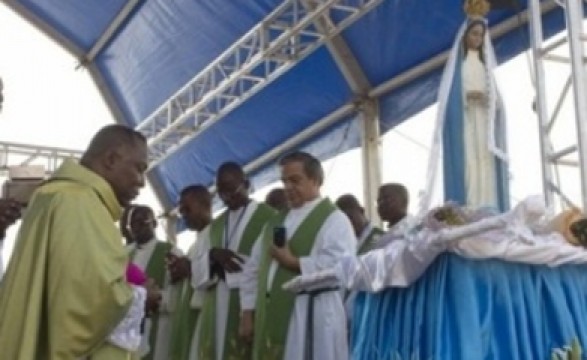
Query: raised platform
[[474, 309]]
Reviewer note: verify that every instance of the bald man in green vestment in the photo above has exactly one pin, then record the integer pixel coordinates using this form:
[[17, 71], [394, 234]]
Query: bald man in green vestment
[[65, 288]]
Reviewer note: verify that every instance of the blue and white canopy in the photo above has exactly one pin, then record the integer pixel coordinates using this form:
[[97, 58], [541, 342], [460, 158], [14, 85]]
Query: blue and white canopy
[[216, 80]]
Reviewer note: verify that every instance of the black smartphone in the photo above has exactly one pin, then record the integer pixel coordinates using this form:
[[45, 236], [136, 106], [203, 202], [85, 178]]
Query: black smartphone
[[279, 236]]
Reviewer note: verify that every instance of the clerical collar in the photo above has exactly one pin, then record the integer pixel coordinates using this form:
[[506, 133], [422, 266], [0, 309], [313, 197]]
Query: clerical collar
[[229, 231], [308, 204], [145, 244]]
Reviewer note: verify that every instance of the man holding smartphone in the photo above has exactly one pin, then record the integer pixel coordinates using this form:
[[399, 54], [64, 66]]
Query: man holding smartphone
[[309, 325]]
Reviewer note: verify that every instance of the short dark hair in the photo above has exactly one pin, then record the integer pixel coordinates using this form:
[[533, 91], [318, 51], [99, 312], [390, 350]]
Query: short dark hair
[[111, 136], [312, 166], [399, 190], [348, 202], [277, 199], [131, 211], [199, 191], [232, 168]]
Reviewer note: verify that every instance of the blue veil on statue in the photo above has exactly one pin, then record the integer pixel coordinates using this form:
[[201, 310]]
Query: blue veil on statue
[[470, 126]]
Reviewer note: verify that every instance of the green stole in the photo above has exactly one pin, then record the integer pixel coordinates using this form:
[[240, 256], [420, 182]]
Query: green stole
[[370, 240], [274, 308], [234, 347], [156, 270], [183, 324]]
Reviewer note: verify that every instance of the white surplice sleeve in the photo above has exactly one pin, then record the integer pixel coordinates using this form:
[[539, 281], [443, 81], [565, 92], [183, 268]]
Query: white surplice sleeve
[[127, 334], [170, 292], [249, 277], [197, 299], [201, 278], [334, 240]]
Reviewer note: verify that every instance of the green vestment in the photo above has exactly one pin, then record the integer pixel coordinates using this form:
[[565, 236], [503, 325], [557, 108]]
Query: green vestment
[[156, 269], [370, 240], [65, 288], [234, 348], [183, 324], [274, 305]]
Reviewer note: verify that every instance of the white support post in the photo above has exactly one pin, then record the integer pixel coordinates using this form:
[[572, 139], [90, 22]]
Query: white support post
[[565, 154], [371, 156], [536, 38], [171, 228], [574, 17]]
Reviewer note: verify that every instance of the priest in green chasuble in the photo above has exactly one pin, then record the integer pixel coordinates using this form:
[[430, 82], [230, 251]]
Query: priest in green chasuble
[[65, 288]]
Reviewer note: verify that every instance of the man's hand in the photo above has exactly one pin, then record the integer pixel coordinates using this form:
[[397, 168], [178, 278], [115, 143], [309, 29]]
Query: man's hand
[[179, 267], [153, 297], [246, 326], [285, 258], [227, 259], [10, 211]]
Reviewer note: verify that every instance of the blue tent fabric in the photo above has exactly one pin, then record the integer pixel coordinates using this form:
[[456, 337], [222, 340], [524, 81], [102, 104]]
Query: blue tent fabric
[[163, 44], [469, 309], [82, 22]]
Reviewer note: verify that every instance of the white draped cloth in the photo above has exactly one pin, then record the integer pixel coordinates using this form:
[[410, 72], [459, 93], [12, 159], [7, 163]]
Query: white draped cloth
[[201, 279], [127, 334], [335, 240], [521, 235], [197, 299]]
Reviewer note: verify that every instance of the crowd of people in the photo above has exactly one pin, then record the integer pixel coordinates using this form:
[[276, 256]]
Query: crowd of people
[[80, 287]]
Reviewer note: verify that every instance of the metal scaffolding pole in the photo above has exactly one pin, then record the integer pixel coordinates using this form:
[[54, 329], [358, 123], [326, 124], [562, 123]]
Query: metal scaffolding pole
[[574, 17], [536, 38], [371, 155], [369, 110], [553, 158], [275, 45], [13, 154]]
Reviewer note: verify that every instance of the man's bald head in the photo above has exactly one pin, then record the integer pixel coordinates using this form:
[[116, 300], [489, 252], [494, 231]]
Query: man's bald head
[[110, 137], [118, 154]]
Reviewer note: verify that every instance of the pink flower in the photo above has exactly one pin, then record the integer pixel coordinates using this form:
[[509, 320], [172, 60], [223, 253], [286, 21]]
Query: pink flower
[[134, 275]]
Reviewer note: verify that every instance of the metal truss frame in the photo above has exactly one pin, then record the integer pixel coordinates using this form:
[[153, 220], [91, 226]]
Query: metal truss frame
[[13, 154], [368, 110], [365, 103], [285, 37], [554, 158]]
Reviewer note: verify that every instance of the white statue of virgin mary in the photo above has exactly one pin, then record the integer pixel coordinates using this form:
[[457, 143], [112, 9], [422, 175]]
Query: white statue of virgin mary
[[470, 126]]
